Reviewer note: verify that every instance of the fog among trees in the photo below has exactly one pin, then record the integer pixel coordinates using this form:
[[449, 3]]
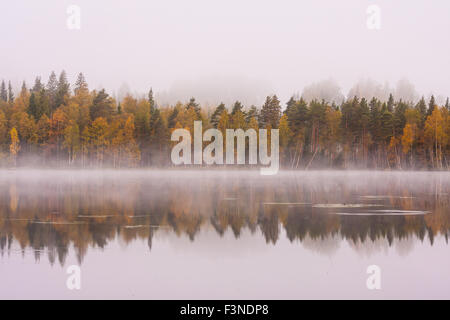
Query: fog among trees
[[55, 123]]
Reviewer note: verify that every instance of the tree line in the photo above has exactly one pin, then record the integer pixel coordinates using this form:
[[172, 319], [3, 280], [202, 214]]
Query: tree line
[[62, 125]]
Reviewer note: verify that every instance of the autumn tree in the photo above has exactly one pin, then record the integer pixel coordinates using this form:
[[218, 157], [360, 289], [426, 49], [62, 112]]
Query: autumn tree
[[129, 104], [285, 136], [58, 123], [238, 117], [99, 138], [436, 136], [223, 124], [125, 147], [22, 101], [407, 139], [132, 150], [192, 104], [331, 137], [25, 128], [72, 140], [14, 147], [81, 92], [43, 131], [3, 132], [253, 112]]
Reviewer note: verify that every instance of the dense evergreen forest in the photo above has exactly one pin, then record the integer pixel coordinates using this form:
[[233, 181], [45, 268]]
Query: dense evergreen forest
[[56, 124]]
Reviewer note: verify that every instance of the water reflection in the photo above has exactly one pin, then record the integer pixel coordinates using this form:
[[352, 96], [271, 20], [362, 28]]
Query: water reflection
[[49, 212]]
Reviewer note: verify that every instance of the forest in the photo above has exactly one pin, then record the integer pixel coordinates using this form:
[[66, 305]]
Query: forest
[[56, 124]]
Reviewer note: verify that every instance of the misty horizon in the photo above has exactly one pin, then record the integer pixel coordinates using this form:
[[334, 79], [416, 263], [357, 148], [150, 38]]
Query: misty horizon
[[244, 50], [254, 93]]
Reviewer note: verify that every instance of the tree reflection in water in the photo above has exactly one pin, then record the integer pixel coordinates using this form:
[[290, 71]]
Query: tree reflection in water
[[47, 212]]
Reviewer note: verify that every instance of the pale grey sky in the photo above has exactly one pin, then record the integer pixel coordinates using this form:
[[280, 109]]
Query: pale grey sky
[[279, 45]]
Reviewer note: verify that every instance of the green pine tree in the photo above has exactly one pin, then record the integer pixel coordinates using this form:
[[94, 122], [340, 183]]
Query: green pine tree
[[102, 106], [81, 84], [172, 118], [253, 112], [422, 108], [237, 107], [63, 89], [39, 104], [10, 93], [194, 105], [151, 101], [3, 92], [37, 87], [216, 115], [271, 112], [431, 105], [390, 103], [52, 88]]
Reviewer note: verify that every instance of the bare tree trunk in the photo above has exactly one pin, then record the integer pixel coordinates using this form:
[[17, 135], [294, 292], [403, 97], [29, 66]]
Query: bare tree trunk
[[312, 158]]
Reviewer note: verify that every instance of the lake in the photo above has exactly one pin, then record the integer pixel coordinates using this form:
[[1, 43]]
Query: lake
[[176, 234]]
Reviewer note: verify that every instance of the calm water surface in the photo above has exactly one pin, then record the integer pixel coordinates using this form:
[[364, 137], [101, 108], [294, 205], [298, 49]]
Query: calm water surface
[[220, 234]]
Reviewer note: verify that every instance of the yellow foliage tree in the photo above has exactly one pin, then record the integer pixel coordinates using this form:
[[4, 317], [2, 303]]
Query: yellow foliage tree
[[330, 137], [132, 148], [14, 147], [3, 131], [223, 122], [238, 121], [72, 140], [99, 138], [407, 138], [285, 132], [393, 156], [435, 135]]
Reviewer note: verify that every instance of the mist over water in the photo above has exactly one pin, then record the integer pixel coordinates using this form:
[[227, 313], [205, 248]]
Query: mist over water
[[99, 182], [204, 233]]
